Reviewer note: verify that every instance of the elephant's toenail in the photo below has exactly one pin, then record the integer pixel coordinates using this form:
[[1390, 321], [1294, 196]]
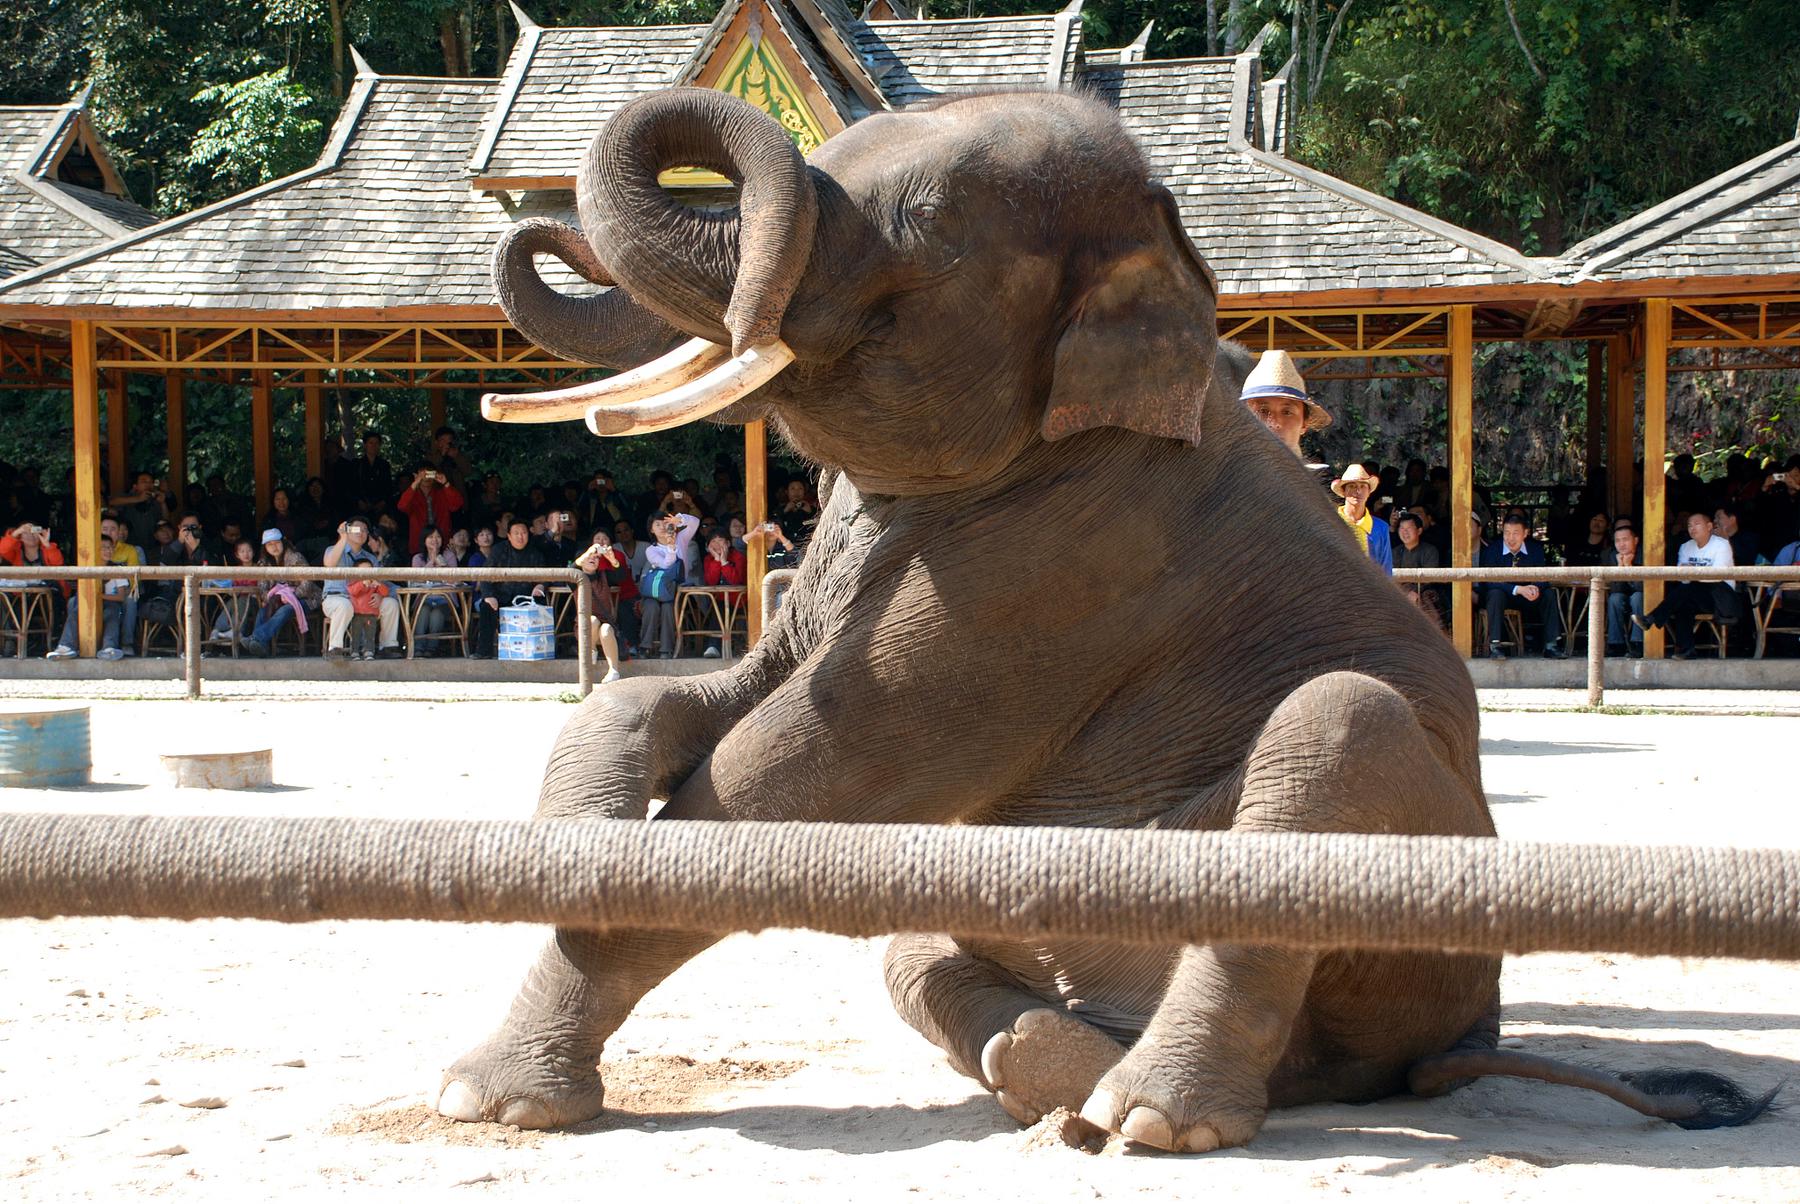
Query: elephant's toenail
[[458, 1102], [1201, 1139], [1147, 1126], [1100, 1111], [1017, 1108], [993, 1060], [525, 1114]]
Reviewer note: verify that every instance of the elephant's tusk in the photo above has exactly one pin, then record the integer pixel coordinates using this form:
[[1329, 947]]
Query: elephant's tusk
[[692, 359], [719, 388]]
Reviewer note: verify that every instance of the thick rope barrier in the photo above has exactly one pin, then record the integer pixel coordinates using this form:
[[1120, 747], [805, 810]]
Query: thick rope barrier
[[1324, 891]]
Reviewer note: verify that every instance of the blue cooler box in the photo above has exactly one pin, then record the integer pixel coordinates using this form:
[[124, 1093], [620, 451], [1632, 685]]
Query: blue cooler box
[[527, 631]]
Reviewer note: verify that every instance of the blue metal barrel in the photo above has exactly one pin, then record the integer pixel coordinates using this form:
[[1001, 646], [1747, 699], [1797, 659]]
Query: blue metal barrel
[[45, 748]]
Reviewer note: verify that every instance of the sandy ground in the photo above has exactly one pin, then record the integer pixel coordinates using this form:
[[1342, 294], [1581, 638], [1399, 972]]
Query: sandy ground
[[244, 1061]]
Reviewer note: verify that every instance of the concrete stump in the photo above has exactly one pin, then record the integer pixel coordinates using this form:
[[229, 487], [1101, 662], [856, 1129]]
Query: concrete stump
[[45, 748], [245, 770]]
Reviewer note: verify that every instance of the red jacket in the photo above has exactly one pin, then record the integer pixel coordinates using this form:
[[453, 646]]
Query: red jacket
[[13, 552], [420, 512], [735, 571]]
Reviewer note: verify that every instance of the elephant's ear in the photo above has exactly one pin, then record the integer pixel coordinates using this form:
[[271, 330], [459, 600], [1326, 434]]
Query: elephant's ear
[[1138, 351]]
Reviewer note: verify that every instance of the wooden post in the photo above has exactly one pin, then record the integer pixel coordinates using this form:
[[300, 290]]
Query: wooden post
[[1621, 425], [1656, 406], [1596, 411], [174, 387], [756, 512], [118, 426], [84, 375], [1461, 447], [315, 424], [262, 438], [437, 410]]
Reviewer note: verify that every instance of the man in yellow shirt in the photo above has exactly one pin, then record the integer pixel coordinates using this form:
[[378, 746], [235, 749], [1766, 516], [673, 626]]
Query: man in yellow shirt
[[1354, 487], [123, 552]]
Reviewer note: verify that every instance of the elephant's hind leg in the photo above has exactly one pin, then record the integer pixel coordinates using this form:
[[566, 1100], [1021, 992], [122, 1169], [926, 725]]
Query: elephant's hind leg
[[1343, 753], [1033, 1056]]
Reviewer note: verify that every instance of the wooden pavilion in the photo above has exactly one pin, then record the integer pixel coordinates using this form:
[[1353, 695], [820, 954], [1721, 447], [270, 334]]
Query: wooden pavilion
[[371, 266]]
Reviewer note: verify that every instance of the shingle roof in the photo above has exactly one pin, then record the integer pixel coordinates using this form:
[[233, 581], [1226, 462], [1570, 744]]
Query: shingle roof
[[1266, 224], [916, 60], [385, 219], [571, 81], [41, 218], [1742, 222]]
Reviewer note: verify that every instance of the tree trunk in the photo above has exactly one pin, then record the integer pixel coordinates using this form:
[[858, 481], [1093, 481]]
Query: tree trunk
[[453, 40], [501, 49], [1234, 23], [337, 49], [1212, 27]]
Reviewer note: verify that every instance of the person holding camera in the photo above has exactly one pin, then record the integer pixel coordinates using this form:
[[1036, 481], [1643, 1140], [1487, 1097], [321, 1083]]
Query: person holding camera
[[353, 550], [558, 539], [781, 551], [600, 561], [665, 568], [430, 501], [28, 545]]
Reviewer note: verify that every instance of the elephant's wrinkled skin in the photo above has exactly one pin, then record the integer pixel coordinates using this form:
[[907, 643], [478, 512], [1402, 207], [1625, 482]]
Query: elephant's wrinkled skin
[[1063, 577]]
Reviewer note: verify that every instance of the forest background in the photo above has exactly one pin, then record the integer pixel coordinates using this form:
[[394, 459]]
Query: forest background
[[1537, 124]]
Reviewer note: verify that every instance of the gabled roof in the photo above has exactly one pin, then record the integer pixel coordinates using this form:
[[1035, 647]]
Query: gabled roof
[[45, 213], [1266, 224], [384, 220], [1742, 222]]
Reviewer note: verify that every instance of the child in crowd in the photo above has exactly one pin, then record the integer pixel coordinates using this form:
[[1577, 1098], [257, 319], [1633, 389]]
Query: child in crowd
[[365, 608]]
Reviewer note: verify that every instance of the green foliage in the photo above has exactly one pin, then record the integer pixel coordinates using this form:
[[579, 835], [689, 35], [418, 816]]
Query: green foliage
[[262, 131]]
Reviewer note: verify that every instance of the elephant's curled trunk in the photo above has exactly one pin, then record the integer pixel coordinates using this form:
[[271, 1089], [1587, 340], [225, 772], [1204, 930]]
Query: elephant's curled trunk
[[725, 275], [609, 329]]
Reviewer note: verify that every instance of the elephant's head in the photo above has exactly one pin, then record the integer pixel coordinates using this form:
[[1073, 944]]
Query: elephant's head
[[951, 284]]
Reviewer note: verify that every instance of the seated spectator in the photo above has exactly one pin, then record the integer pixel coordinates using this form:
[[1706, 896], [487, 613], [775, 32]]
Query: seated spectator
[[624, 580], [1594, 546], [1533, 600], [281, 516], [235, 610], [484, 547], [797, 516], [665, 570], [366, 598], [735, 526], [1354, 487], [780, 550], [1685, 599], [124, 552], [352, 550], [434, 612], [28, 546], [430, 501], [1624, 599], [558, 540], [1415, 553], [282, 602], [112, 614], [724, 565], [518, 552], [461, 545], [161, 536], [598, 560]]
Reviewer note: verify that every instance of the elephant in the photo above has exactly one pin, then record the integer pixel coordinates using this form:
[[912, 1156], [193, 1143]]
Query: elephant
[[1062, 576]]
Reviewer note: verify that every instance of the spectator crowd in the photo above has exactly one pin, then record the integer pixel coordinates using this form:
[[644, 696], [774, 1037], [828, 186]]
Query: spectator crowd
[[637, 547]]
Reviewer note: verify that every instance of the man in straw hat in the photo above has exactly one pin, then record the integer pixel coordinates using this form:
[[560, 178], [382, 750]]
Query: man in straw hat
[[1354, 487], [1276, 393]]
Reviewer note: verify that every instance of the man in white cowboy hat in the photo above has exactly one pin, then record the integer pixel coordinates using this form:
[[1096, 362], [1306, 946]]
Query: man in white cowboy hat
[[1354, 487], [1276, 393]]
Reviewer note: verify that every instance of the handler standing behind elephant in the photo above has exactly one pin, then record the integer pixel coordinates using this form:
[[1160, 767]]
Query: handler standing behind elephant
[[1276, 393]]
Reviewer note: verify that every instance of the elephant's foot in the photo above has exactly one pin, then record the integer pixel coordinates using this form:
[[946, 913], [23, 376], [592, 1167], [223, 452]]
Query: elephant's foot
[[1047, 1060], [502, 1081], [1153, 1099]]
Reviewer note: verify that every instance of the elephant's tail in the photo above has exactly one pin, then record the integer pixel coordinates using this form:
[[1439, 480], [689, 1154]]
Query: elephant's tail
[[1693, 1099]]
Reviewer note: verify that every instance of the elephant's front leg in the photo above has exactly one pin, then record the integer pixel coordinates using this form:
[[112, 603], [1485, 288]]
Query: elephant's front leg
[[632, 742], [1242, 1027]]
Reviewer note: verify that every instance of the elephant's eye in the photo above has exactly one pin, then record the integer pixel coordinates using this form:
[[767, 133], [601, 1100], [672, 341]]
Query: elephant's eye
[[926, 212]]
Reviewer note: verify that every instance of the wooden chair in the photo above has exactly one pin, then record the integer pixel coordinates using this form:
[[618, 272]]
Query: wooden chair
[[1574, 606], [1705, 624], [1513, 621], [1765, 604], [290, 633], [26, 611], [707, 612]]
